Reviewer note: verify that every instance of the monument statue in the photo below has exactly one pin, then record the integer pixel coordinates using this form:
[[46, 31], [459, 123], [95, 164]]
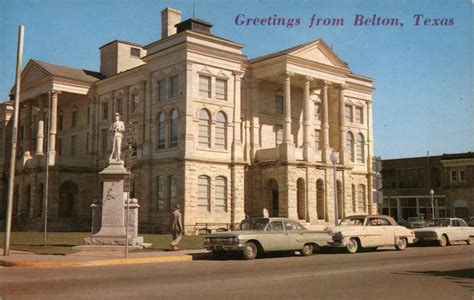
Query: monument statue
[[118, 128]]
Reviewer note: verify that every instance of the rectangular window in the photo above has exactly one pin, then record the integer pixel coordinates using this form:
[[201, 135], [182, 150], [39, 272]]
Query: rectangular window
[[60, 122], [317, 139], [74, 118], [221, 89], [104, 138], [221, 194], [220, 141], [454, 175], [119, 106], [361, 198], [73, 145], [162, 90], [204, 86], [279, 104], [348, 113], [174, 86], [135, 52], [203, 134], [359, 114], [462, 175], [160, 193], [173, 198], [317, 111], [203, 193], [59, 146], [105, 110]]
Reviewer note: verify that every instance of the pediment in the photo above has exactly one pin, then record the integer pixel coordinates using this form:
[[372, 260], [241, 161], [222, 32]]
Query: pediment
[[33, 74], [319, 52]]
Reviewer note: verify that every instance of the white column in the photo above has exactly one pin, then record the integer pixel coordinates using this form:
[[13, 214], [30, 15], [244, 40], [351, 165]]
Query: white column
[[190, 113], [237, 143], [342, 126], [325, 126], [40, 133], [287, 92], [53, 114], [308, 121], [255, 126]]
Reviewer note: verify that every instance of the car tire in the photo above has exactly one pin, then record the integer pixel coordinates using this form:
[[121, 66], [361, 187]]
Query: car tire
[[307, 250], [250, 251], [470, 241], [352, 246], [443, 241], [401, 244]]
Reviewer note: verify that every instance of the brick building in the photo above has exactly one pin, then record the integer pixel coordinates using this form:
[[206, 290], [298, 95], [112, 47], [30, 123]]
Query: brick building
[[220, 134], [407, 183]]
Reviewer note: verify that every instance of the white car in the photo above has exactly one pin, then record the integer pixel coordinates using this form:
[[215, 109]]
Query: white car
[[445, 231], [370, 232]]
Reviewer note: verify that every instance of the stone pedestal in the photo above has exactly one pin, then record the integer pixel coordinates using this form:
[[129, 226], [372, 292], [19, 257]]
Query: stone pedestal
[[113, 210]]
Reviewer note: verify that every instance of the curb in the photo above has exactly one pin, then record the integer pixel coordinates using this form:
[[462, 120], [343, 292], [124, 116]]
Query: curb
[[92, 263]]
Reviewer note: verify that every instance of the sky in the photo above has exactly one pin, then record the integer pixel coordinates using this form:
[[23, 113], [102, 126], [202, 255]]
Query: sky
[[422, 73]]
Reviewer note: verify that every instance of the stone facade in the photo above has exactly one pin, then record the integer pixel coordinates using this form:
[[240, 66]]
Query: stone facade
[[222, 135]]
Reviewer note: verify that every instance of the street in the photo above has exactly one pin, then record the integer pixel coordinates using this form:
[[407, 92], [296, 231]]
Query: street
[[416, 273]]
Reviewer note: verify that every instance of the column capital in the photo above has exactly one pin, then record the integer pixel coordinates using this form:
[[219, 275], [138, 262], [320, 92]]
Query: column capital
[[287, 75], [55, 92], [341, 87], [308, 78], [238, 73]]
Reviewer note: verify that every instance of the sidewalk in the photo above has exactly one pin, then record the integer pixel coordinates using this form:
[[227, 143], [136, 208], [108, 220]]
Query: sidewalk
[[97, 258]]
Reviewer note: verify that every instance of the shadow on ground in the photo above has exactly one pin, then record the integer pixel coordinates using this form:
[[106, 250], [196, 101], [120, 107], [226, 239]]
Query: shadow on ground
[[463, 277]]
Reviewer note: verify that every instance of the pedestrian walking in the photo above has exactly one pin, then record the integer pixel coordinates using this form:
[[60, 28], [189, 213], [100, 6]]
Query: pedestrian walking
[[176, 227]]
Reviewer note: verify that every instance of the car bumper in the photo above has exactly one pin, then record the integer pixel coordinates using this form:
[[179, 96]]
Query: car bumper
[[336, 244], [218, 247], [426, 239]]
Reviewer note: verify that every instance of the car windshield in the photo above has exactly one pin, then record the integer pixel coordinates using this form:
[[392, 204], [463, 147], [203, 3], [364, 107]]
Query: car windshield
[[254, 224], [358, 221], [439, 223]]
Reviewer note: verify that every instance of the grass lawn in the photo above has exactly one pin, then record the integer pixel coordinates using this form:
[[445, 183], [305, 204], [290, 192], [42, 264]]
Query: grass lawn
[[61, 243]]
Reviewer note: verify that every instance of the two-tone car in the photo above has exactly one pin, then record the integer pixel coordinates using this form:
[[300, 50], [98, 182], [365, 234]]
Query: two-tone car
[[259, 235], [369, 231], [445, 231]]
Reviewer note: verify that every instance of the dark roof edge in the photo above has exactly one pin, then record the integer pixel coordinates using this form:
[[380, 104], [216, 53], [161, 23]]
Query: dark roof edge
[[123, 42]]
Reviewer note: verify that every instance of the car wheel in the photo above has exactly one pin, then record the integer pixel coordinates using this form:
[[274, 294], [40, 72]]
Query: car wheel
[[307, 250], [401, 244], [470, 241], [352, 246], [218, 254], [250, 251], [443, 241]]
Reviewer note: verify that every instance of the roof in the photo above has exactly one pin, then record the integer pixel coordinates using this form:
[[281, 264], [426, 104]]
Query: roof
[[70, 73], [281, 52], [123, 42]]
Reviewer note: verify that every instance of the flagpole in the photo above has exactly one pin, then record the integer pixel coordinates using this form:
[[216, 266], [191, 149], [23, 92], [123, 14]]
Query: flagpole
[[11, 178], [46, 192]]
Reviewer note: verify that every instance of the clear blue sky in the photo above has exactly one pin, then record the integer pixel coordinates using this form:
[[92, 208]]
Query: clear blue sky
[[423, 74]]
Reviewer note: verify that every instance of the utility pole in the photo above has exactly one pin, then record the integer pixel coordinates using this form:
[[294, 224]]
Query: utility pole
[[11, 178]]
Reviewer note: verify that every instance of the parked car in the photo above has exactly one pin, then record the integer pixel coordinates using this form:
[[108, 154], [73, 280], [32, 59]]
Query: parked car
[[471, 222], [444, 231], [370, 232], [258, 235], [416, 222]]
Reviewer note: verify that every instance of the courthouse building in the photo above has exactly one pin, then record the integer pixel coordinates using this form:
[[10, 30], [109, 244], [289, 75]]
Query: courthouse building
[[223, 135]]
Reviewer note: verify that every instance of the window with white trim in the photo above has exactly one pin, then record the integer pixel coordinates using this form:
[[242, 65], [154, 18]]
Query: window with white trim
[[221, 131], [350, 145], [454, 175], [204, 199], [204, 86], [161, 130], [317, 139], [348, 113], [174, 128], [360, 149], [359, 115], [462, 175], [172, 190], [361, 198], [204, 134], [221, 89], [221, 194]]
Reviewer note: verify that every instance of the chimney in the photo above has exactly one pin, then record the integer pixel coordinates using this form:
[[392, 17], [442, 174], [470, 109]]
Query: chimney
[[169, 18]]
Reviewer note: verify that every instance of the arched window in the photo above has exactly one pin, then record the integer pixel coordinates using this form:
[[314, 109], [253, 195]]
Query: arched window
[[160, 193], [320, 207], [161, 131], [172, 199], [174, 128], [278, 134], [221, 194], [360, 148], [350, 145], [204, 129], [361, 198], [204, 193], [221, 131]]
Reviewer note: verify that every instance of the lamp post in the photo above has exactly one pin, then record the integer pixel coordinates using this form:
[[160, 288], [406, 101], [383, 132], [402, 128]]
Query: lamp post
[[334, 158], [432, 204]]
